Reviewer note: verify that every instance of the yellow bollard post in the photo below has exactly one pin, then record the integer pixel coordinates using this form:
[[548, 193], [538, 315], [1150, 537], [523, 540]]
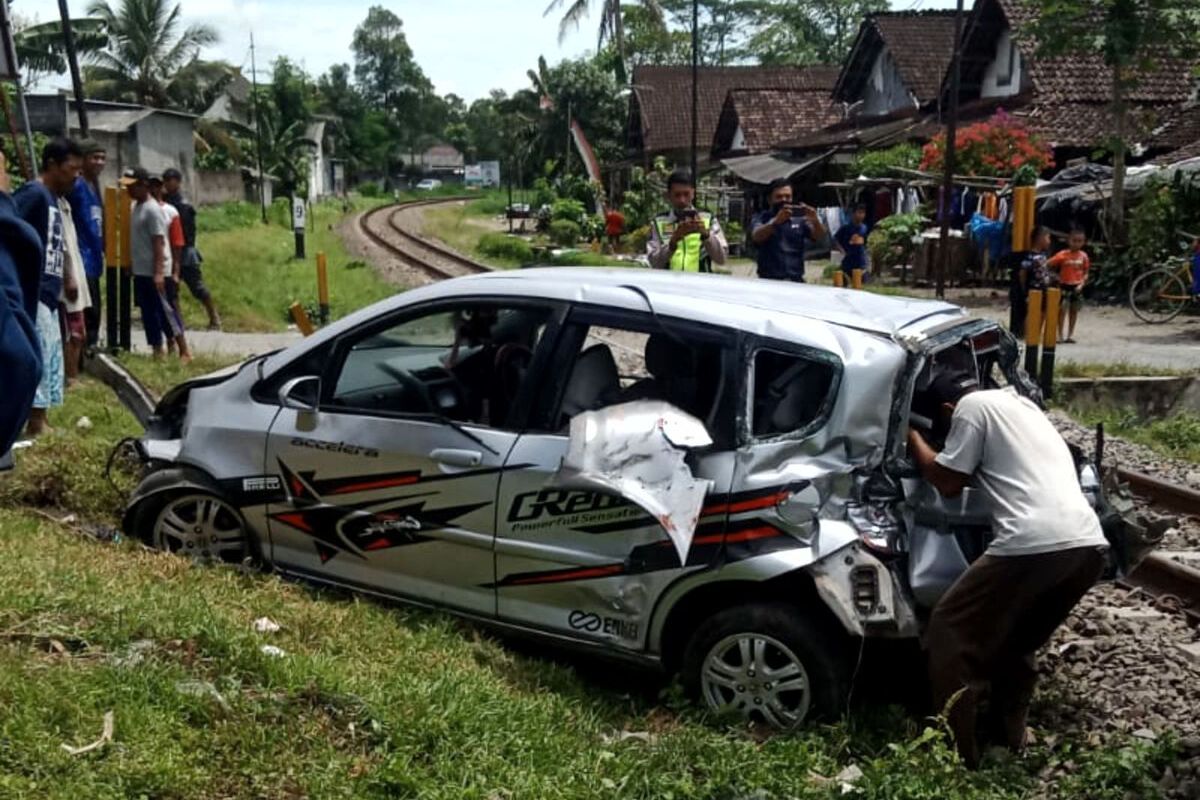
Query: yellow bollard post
[[112, 270], [856, 278], [323, 288], [125, 262], [1033, 331], [301, 318], [1050, 339], [839, 277]]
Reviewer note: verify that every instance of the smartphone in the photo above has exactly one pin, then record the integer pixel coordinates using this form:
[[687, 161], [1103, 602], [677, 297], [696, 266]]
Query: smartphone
[[687, 213]]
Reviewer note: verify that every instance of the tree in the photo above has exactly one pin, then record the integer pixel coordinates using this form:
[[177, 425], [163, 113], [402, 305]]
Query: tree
[[149, 52], [40, 46], [387, 74], [1132, 37], [612, 23]]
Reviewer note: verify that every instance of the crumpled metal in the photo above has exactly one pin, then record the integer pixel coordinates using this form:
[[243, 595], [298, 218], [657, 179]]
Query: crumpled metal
[[638, 450]]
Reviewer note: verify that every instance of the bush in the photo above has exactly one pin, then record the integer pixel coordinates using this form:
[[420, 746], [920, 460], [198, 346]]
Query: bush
[[879, 163], [638, 237], [567, 209], [891, 241], [370, 189], [998, 147], [564, 232], [581, 258], [511, 248]]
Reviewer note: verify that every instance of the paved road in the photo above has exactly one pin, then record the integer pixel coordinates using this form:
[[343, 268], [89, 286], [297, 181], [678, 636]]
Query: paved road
[[1104, 335]]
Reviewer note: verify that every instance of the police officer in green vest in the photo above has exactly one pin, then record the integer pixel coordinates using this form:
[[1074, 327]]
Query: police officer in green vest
[[685, 238]]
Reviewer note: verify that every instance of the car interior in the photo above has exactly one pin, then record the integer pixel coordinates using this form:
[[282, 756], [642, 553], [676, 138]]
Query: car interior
[[790, 392], [466, 365]]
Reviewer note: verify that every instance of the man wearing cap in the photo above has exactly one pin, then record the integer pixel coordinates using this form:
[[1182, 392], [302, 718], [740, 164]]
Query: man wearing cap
[[190, 268], [87, 212], [151, 259], [1047, 550]]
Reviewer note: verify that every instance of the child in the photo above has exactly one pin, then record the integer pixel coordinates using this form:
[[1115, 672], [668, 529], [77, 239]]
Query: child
[[851, 241], [1030, 273], [1072, 266]]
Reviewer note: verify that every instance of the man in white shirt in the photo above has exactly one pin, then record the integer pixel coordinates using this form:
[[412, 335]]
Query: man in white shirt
[[1047, 551]]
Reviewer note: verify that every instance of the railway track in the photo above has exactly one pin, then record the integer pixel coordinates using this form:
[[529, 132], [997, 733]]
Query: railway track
[[435, 260], [1174, 586]]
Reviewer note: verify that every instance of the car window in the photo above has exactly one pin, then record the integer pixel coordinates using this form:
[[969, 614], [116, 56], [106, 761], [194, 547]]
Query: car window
[[615, 364], [467, 363], [790, 392]]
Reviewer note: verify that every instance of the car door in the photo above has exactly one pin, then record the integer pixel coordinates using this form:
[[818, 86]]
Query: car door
[[591, 564], [391, 480]]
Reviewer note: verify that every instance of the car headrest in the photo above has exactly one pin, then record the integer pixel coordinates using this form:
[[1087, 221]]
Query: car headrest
[[594, 381]]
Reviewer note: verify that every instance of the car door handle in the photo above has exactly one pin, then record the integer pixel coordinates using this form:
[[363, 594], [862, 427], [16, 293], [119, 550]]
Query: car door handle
[[457, 458]]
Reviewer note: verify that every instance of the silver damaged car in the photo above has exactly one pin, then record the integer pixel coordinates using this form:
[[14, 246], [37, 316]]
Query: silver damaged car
[[700, 473]]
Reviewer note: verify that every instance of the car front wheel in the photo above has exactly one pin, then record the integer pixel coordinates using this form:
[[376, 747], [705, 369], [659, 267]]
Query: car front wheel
[[767, 663], [196, 525]]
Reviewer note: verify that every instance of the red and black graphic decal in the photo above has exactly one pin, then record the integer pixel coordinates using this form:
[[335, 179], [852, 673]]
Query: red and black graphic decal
[[736, 503], [744, 539], [359, 528]]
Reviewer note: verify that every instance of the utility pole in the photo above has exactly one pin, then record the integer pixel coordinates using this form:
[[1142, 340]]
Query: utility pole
[[696, 83], [73, 63], [10, 58], [948, 164], [262, 196]]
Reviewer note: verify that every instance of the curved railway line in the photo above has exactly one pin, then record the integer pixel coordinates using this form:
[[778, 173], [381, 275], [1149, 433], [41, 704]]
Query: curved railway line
[[435, 260]]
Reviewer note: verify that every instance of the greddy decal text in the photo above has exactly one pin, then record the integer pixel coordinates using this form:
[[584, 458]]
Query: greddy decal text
[[551, 508]]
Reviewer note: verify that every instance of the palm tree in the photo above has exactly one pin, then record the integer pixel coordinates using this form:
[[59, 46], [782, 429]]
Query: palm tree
[[612, 26], [149, 53], [40, 46]]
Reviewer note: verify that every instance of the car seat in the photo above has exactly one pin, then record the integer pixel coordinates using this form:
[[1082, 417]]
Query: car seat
[[594, 383]]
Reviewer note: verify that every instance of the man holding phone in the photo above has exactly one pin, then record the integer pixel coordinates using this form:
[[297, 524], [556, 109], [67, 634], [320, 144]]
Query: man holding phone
[[780, 233], [685, 238]]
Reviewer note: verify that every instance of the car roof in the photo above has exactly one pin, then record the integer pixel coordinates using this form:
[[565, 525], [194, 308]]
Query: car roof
[[819, 316], [727, 300]]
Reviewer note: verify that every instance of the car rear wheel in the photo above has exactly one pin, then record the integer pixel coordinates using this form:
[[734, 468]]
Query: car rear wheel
[[767, 663], [197, 525]]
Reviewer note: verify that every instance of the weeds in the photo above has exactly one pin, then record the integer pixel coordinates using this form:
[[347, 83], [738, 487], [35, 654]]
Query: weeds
[[1177, 436]]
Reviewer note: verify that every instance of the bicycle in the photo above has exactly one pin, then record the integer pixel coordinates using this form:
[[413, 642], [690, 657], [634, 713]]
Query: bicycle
[[1160, 295]]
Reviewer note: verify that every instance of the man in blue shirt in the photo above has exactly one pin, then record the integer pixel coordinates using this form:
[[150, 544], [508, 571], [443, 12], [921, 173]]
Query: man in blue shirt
[[851, 239], [87, 212], [780, 233], [37, 203], [20, 279]]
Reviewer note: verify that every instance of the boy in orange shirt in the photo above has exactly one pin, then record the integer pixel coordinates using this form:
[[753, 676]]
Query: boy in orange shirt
[[1072, 266]]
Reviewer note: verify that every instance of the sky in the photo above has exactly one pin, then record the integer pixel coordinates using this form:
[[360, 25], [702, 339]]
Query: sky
[[466, 47]]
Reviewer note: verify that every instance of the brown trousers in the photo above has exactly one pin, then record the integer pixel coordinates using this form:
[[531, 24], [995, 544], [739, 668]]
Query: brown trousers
[[985, 631]]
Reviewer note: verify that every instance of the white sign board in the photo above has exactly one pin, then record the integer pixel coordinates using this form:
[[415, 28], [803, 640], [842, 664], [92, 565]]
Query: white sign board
[[491, 172], [473, 175], [299, 214]]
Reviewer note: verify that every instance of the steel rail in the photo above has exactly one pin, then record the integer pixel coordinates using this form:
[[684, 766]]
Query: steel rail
[[422, 262]]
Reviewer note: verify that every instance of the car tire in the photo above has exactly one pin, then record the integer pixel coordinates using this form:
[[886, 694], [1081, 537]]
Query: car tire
[[796, 670], [196, 524]]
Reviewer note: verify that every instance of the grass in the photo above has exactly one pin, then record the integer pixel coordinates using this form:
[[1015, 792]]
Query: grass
[[373, 701], [460, 228], [1116, 369], [1177, 436], [250, 270], [65, 469]]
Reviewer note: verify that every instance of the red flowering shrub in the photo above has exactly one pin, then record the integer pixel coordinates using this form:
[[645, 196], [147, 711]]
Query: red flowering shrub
[[996, 148]]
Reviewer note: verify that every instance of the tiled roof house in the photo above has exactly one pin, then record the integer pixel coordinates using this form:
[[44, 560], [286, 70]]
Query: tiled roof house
[[753, 121]]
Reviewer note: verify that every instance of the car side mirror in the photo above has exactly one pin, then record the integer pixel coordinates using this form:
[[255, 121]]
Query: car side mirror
[[301, 394]]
